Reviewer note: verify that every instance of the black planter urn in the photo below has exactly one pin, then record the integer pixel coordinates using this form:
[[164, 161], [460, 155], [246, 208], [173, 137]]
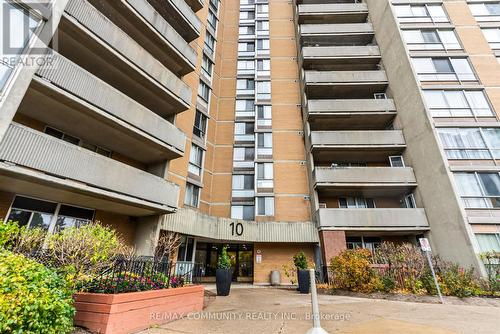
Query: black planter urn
[[223, 279], [304, 282]]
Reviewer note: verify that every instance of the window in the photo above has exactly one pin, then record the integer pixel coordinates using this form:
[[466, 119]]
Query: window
[[396, 161], [243, 182], [263, 64], [195, 160], [356, 203], [479, 190], [420, 13], [443, 69], [204, 91], [263, 26], [431, 39], [488, 242], [247, 30], [76, 141], [245, 84], [244, 154], [200, 124], [246, 212], [246, 47], [192, 195], [33, 213], [246, 65], [212, 19], [71, 216], [265, 175], [265, 206], [470, 143], [247, 15], [265, 140], [264, 112], [209, 43], [21, 26], [244, 128], [484, 12], [207, 65], [263, 89], [370, 243], [492, 35], [457, 103], [262, 44], [245, 105], [409, 201], [262, 9]]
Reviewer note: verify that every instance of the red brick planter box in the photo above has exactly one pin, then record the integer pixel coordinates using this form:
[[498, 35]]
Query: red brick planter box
[[135, 311]]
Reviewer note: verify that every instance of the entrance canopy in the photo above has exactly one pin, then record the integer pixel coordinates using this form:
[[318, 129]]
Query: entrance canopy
[[190, 222]]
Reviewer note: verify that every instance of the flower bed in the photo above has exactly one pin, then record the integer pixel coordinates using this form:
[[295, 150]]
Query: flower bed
[[135, 311]]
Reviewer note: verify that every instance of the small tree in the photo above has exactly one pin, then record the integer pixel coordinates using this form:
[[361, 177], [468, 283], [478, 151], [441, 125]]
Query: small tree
[[166, 248], [300, 260], [224, 262]]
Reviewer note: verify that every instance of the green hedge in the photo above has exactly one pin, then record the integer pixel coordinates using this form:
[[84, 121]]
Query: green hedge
[[33, 298]]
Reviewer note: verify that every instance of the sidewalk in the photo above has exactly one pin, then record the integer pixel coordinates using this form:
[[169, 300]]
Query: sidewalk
[[261, 310]]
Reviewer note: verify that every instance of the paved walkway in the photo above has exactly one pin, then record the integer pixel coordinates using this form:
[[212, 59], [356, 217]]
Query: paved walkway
[[266, 310]]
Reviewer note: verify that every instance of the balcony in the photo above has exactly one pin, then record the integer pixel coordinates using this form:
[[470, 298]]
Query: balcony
[[355, 114], [383, 220], [140, 20], [347, 34], [368, 181], [39, 165], [71, 99], [195, 5], [343, 58], [345, 84], [348, 146], [333, 13], [180, 16], [110, 54]]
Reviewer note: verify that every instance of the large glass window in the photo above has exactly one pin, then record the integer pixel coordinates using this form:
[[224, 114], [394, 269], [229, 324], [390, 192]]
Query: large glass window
[[244, 154], [195, 160], [192, 195], [443, 69], [47, 215], [209, 43], [204, 91], [265, 206], [487, 11], [21, 27], [212, 19], [457, 103], [479, 190], [207, 66], [431, 39], [265, 175], [200, 124], [246, 212], [488, 241], [356, 203], [421, 13], [243, 186], [492, 35], [265, 140], [464, 143]]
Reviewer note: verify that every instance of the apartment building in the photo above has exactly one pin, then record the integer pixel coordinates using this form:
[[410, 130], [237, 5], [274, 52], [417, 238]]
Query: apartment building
[[400, 101], [268, 126]]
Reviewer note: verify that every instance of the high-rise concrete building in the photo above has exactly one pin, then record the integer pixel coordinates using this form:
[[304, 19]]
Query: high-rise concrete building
[[269, 126]]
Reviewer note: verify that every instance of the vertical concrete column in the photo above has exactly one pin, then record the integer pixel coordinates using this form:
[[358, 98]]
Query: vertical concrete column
[[146, 235], [332, 243]]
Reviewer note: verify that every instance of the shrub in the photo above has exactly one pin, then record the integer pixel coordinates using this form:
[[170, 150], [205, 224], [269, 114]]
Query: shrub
[[388, 283], [83, 252], [300, 260], [405, 265], [351, 270], [34, 299], [452, 279], [224, 262], [8, 232]]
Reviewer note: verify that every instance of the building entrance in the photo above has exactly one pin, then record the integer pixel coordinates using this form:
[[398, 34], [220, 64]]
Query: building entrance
[[241, 257]]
